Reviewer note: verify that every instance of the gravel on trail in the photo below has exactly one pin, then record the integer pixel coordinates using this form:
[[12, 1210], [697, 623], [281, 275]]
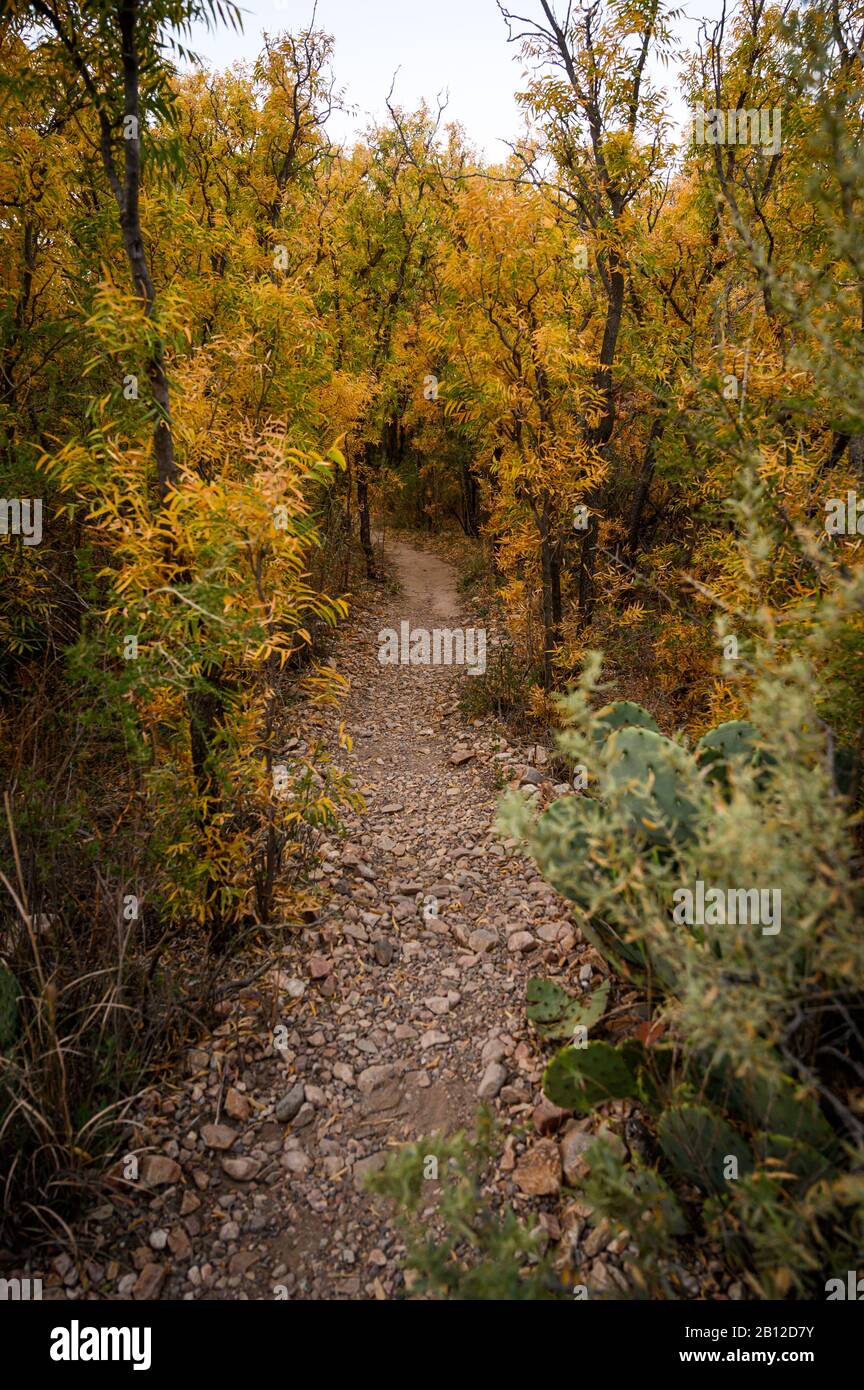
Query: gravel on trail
[[396, 1014]]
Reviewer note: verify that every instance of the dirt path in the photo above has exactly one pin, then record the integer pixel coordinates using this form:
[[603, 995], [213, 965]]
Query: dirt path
[[397, 1009]]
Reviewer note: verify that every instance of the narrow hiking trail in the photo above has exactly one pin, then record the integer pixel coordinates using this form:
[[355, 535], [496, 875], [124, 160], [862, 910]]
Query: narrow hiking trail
[[401, 1009]]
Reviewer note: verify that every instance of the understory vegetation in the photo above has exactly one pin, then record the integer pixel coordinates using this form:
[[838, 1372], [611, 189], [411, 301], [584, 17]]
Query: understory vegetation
[[626, 365]]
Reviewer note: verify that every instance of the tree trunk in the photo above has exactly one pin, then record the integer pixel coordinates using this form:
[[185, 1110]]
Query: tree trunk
[[470, 502], [419, 496], [550, 561], [347, 523], [128, 202], [643, 484], [587, 562], [598, 436], [204, 708], [365, 522]]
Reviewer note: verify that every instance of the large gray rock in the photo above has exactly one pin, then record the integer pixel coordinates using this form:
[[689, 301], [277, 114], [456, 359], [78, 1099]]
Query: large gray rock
[[290, 1104], [574, 1145], [482, 940], [373, 1077], [538, 1174], [493, 1079]]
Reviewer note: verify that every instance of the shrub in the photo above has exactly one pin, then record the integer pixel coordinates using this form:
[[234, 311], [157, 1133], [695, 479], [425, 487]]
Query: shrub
[[505, 687], [459, 1246], [761, 1062]]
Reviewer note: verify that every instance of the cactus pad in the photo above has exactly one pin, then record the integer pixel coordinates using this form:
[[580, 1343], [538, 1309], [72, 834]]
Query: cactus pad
[[776, 1106], [780, 1154], [649, 774], [623, 714], [566, 845], [698, 1144], [581, 1077], [728, 743], [557, 1014]]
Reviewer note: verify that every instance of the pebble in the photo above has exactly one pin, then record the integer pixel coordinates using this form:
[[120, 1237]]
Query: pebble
[[521, 941], [157, 1171], [240, 1169], [290, 1104], [573, 1147], [220, 1137], [538, 1173], [493, 1079]]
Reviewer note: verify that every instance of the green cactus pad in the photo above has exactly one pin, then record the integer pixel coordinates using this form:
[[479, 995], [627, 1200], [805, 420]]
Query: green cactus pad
[[547, 1000], [564, 842], [775, 1105], [728, 743], [649, 775], [623, 714], [567, 842], [698, 1143], [738, 737], [581, 1077], [557, 1014], [780, 1154]]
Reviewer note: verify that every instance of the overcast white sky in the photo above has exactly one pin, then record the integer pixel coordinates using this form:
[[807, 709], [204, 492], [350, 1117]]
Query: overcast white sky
[[457, 45]]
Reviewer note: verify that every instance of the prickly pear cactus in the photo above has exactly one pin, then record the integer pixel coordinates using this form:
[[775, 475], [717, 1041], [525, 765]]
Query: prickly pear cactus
[[650, 776], [9, 990], [703, 1148], [557, 1014], [581, 1077], [779, 1154], [623, 714], [560, 842], [728, 743], [777, 1106], [547, 1000], [567, 843]]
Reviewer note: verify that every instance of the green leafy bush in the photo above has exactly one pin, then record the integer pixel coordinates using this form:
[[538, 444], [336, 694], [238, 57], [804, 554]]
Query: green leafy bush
[[459, 1246], [503, 689], [755, 1091]]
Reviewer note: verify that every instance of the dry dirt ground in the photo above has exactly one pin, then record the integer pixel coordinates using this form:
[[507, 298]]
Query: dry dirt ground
[[393, 1015]]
